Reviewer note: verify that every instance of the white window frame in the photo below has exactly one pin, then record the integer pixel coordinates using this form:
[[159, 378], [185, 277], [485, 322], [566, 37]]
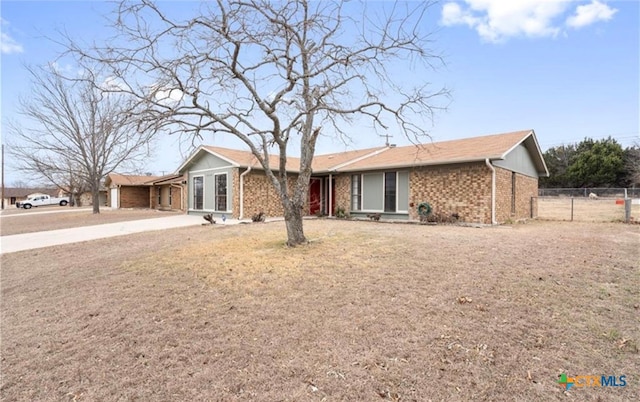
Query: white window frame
[[193, 178], [384, 195], [398, 210], [359, 195], [215, 192], [364, 195]]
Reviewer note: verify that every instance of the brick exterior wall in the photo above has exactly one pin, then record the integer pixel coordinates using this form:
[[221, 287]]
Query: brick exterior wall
[[134, 197], [176, 200], [176, 197], [525, 188], [86, 199], [235, 201], [343, 192], [463, 188], [260, 195]]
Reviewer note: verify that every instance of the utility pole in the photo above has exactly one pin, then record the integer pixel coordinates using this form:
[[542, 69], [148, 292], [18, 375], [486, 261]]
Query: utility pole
[[2, 176]]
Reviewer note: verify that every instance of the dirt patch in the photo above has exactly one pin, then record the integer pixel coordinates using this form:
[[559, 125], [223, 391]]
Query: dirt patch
[[12, 224], [366, 311]]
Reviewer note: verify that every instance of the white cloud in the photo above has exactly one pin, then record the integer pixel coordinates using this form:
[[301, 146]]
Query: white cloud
[[8, 45], [114, 84], [590, 13], [498, 20]]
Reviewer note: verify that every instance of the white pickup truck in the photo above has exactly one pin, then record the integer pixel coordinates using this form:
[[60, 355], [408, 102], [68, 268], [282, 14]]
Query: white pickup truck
[[38, 200]]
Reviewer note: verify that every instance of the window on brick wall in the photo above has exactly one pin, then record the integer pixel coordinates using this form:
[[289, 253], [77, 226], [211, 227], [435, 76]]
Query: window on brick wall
[[356, 192], [159, 193], [380, 192], [390, 192], [198, 192], [221, 191], [170, 196]]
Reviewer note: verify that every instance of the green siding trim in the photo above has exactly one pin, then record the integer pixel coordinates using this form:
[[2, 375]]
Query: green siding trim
[[209, 190], [386, 215], [518, 160], [208, 161]]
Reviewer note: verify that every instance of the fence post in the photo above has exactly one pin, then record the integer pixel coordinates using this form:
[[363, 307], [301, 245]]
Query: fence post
[[531, 208], [627, 210], [625, 193], [571, 209]]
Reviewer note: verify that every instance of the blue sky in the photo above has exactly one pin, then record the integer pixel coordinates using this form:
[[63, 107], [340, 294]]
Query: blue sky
[[567, 69]]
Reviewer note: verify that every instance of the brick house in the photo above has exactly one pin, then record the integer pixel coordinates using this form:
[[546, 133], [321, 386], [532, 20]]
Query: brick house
[[155, 192], [488, 179], [168, 193], [17, 194]]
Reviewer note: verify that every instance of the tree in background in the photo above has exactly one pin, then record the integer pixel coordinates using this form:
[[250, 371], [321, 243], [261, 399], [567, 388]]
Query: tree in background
[[74, 133], [558, 159], [592, 163], [598, 163], [632, 165], [272, 74]]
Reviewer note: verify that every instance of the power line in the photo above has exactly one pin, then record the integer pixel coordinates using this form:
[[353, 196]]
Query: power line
[[620, 137]]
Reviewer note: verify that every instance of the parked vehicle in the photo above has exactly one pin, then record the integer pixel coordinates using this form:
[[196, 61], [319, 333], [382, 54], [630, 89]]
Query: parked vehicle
[[38, 200]]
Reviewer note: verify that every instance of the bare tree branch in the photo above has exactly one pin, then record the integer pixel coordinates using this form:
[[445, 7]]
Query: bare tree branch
[[74, 134], [269, 72]]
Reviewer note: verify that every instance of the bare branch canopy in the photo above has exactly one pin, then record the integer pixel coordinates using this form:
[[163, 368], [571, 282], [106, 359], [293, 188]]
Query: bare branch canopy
[[75, 133], [275, 75]]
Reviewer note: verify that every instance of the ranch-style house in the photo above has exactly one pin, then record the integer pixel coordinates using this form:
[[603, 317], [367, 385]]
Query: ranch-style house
[[488, 179]]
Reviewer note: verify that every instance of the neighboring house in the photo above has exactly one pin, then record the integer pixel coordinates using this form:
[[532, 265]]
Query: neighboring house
[[129, 191], [168, 192], [156, 192], [86, 198], [488, 179], [16, 194]]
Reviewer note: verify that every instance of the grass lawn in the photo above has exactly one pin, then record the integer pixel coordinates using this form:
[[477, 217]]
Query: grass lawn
[[367, 311]]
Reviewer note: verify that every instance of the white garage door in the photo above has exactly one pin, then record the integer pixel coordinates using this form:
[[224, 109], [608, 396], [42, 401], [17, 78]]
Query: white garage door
[[114, 198]]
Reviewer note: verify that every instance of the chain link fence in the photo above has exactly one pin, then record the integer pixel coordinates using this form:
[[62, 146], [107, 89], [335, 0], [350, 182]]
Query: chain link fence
[[597, 192], [589, 204]]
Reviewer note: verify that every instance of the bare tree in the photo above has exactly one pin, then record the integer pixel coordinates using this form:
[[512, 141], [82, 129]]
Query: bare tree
[[74, 133], [272, 72]]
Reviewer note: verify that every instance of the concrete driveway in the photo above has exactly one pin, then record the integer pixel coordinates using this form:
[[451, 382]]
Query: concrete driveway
[[28, 241]]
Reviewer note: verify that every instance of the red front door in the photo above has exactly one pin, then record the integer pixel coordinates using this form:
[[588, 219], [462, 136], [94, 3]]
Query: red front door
[[315, 195]]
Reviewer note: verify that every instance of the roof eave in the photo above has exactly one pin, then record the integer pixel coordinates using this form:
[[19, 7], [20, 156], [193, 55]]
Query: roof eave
[[426, 163], [541, 166], [197, 152]]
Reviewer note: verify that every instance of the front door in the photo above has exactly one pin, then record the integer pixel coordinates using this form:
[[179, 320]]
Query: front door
[[315, 195]]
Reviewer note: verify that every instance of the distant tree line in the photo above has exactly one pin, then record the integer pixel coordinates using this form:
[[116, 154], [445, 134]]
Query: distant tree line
[[592, 163]]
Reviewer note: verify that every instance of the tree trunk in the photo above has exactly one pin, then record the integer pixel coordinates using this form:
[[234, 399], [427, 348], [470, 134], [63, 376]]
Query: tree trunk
[[95, 196], [293, 220]]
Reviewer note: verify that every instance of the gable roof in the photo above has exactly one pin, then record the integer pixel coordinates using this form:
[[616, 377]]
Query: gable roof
[[167, 179], [332, 162], [20, 192], [129, 180], [239, 158], [474, 149]]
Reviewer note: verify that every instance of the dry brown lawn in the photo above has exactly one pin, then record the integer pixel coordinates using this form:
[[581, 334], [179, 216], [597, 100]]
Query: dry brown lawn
[[26, 221], [367, 311]]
